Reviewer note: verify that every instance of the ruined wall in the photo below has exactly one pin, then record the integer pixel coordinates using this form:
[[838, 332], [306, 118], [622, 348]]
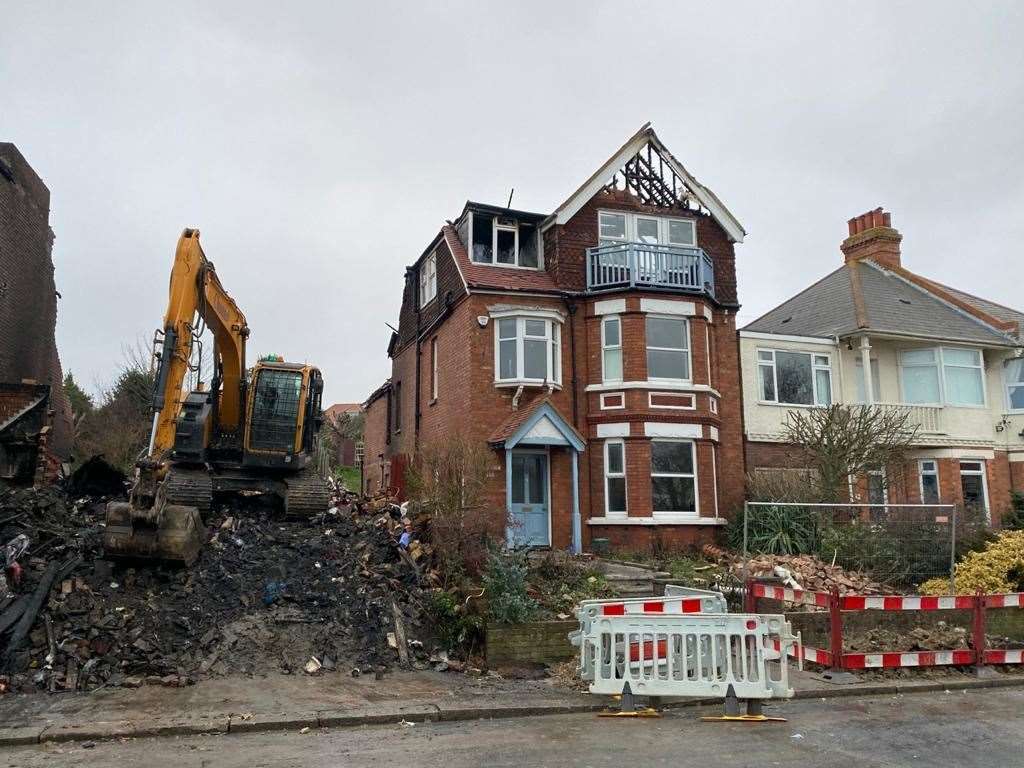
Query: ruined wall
[[28, 295]]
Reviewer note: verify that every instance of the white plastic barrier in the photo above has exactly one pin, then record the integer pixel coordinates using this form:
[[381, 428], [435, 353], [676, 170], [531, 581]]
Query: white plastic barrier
[[689, 655], [677, 600]]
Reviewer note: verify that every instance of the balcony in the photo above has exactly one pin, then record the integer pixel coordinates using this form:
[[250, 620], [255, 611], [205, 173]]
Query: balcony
[[927, 418], [643, 265]]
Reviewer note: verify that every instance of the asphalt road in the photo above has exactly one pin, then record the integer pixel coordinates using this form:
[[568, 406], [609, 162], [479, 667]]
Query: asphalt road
[[963, 729]]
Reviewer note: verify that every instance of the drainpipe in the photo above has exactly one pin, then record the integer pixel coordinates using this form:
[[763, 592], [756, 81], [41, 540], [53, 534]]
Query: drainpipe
[[570, 307]]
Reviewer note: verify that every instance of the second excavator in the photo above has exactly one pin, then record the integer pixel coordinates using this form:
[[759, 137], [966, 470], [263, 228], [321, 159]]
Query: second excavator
[[249, 430]]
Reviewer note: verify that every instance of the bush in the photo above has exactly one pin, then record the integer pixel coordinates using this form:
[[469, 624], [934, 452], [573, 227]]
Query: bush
[[776, 530], [1014, 519], [505, 587], [454, 626], [449, 483], [999, 567]]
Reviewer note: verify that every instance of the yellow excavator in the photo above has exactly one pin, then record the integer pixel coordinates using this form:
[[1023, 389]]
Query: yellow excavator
[[250, 430]]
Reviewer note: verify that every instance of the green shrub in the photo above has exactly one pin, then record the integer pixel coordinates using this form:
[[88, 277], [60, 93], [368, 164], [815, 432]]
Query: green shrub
[[454, 627], [1014, 519], [776, 530], [505, 587]]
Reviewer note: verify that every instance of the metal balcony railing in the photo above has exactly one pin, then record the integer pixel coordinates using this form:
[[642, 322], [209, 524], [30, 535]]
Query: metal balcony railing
[[631, 265]]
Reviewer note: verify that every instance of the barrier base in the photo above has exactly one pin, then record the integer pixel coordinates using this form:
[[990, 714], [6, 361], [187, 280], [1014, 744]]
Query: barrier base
[[628, 708], [743, 719]]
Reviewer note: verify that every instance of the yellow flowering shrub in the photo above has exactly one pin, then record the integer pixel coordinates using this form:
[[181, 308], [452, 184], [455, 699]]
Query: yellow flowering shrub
[[999, 567]]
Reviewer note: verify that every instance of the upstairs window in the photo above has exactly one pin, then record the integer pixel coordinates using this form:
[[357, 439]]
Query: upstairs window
[[611, 349], [504, 242], [668, 348], [428, 279], [528, 350], [943, 375], [794, 378], [1014, 372], [614, 227]]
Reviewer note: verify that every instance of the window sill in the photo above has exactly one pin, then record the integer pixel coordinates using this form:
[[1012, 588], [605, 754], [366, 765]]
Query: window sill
[[507, 383], [789, 405], [661, 519], [432, 401], [507, 266]]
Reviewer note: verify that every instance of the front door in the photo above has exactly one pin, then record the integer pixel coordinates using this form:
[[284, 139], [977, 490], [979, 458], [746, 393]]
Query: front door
[[529, 503]]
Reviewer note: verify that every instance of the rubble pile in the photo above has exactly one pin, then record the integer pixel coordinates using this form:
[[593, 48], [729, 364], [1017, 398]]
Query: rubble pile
[[798, 571], [266, 595]]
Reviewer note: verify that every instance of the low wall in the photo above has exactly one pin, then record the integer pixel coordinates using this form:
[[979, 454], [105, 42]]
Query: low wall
[[538, 642]]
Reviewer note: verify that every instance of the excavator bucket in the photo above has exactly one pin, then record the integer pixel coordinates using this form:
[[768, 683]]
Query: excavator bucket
[[177, 536]]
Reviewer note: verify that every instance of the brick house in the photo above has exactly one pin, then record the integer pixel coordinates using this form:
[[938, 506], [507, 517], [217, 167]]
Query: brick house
[[345, 449], [34, 412], [874, 332], [592, 349]]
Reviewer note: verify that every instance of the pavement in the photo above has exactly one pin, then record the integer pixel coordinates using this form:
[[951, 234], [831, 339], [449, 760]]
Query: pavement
[[281, 702], [967, 729]]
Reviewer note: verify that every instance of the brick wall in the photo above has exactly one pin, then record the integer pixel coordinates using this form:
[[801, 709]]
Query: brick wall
[[28, 296], [374, 435]]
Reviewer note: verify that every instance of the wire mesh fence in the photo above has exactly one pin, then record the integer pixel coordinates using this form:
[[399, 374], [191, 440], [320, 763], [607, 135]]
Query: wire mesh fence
[[899, 546]]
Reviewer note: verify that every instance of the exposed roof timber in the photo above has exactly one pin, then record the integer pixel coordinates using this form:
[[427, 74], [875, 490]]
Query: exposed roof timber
[[625, 154]]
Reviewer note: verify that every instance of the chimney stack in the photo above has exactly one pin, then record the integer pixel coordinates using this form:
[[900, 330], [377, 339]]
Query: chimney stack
[[872, 237]]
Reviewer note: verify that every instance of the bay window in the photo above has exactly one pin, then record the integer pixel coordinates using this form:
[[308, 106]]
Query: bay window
[[673, 477], [668, 348], [615, 477], [611, 349], [528, 350], [1014, 375], [949, 375], [794, 378]]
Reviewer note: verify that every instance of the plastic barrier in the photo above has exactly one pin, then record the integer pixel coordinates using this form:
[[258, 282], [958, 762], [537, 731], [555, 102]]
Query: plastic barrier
[[689, 655], [677, 600], [837, 659]]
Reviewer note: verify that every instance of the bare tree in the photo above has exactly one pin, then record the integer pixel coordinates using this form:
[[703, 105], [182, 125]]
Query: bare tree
[[449, 482], [844, 441]]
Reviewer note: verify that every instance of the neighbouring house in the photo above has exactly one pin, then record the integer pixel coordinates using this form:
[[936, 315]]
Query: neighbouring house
[[345, 446], [591, 348], [874, 332], [36, 427]]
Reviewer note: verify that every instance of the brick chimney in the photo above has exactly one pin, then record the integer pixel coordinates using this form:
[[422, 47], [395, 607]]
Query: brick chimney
[[873, 237]]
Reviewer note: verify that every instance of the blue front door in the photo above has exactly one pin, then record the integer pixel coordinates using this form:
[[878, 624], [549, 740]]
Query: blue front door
[[529, 500]]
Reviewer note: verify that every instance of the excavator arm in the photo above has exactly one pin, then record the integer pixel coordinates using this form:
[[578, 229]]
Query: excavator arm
[[196, 291]]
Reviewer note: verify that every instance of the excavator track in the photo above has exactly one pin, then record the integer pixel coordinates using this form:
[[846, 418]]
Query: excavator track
[[308, 494], [189, 488]]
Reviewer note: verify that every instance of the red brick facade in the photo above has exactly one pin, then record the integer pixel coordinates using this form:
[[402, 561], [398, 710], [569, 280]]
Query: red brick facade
[[458, 325]]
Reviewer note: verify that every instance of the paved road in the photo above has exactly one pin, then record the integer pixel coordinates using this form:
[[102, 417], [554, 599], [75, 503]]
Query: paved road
[[983, 728]]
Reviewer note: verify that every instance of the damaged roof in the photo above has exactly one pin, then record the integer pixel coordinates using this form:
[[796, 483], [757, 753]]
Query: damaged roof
[[864, 296]]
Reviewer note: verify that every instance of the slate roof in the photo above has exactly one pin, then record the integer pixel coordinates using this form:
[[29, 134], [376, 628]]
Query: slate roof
[[862, 296]]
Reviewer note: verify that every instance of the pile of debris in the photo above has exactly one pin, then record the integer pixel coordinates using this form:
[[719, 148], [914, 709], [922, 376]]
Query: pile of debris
[[345, 589], [797, 571]]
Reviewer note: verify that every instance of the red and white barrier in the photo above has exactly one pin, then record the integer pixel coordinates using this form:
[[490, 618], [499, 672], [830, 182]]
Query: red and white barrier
[[911, 659], [905, 603], [1012, 600], [1006, 656], [661, 605], [807, 653], [785, 594]]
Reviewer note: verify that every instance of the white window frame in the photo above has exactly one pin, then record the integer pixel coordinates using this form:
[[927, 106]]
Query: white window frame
[[712, 403], [494, 244], [815, 367], [553, 356], [921, 472], [630, 229], [433, 369], [686, 514], [428, 279], [608, 474], [606, 347], [1008, 385], [688, 351], [940, 362], [983, 473]]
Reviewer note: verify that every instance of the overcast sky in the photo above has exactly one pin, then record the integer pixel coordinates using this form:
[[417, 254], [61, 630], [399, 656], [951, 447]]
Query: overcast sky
[[319, 146]]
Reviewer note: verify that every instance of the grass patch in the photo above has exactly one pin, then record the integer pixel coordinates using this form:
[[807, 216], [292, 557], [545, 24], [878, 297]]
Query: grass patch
[[349, 476]]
